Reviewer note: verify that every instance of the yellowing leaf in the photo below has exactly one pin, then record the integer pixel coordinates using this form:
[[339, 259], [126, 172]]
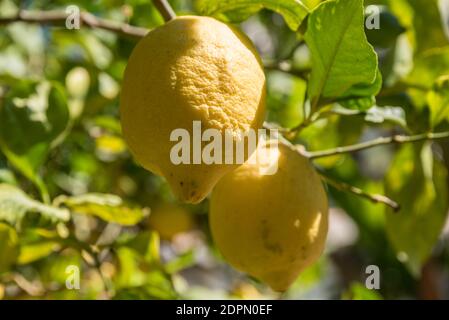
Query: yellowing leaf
[[9, 248], [107, 207], [36, 251]]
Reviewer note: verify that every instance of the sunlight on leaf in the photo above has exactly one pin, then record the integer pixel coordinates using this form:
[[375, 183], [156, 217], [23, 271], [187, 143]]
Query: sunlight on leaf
[[9, 248], [108, 207], [293, 11], [14, 204], [341, 55]]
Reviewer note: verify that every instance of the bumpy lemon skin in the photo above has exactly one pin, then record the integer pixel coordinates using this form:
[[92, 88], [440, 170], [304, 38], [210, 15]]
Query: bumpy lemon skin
[[271, 226], [191, 68]]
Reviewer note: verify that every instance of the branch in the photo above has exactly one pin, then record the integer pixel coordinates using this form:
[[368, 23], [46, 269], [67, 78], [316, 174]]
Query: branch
[[165, 9], [31, 288], [375, 198], [397, 139], [87, 19]]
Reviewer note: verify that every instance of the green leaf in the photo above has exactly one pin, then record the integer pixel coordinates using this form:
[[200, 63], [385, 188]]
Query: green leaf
[[366, 90], [341, 55], [9, 248], [417, 181], [181, 262], [376, 114], [293, 11], [107, 207], [14, 204], [362, 97], [438, 100], [145, 243], [129, 274], [362, 103], [33, 114]]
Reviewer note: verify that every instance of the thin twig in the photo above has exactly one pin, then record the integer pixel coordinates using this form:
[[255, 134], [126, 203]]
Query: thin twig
[[375, 198], [396, 139], [56, 17], [165, 9], [33, 289], [295, 130]]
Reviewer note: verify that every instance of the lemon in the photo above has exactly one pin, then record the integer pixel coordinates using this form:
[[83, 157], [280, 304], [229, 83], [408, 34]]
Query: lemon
[[169, 219], [271, 226], [190, 69]]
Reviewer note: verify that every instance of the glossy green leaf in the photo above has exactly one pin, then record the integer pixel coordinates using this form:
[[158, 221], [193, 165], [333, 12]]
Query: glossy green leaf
[[293, 11], [341, 55], [9, 248], [362, 97], [417, 181], [366, 90], [107, 207]]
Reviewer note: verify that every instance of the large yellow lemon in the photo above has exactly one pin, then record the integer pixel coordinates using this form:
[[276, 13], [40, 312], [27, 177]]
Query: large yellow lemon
[[271, 226], [190, 69]]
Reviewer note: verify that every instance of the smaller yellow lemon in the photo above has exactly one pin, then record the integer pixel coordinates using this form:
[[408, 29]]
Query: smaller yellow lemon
[[169, 219], [271, 226]]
